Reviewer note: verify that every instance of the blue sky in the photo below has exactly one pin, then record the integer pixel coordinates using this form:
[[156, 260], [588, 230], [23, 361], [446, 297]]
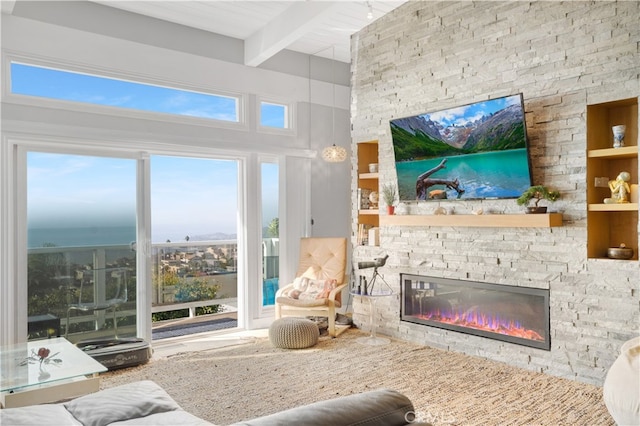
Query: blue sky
[[45, 82], [68, 191], [63, 85], [190, 196], [463, 114]]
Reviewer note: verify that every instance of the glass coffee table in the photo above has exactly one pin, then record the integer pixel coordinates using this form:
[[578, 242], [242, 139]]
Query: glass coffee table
[[42, 371]]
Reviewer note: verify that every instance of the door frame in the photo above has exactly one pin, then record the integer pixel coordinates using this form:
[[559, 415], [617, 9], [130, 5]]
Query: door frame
[[13, 265]]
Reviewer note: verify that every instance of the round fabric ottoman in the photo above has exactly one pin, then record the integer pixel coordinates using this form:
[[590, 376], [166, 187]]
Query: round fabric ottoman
[[622, 385], [293, 333]]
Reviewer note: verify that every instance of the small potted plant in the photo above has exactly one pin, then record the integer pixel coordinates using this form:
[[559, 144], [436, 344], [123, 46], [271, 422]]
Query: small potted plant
[[389, 197], [537, 193]]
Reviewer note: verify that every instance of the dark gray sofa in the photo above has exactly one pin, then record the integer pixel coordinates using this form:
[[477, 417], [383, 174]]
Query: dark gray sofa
[[383, 407], [146, 403]]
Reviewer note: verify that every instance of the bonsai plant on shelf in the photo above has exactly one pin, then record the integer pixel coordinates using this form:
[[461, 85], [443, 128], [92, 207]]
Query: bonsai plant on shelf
[[389, 197], [537, 193]]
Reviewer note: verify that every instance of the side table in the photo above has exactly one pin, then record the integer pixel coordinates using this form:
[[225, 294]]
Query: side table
[[373, 340]]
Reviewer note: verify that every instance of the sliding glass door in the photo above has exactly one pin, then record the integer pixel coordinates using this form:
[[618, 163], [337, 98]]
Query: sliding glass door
[[110, 244], [194, 216], [81, 239]]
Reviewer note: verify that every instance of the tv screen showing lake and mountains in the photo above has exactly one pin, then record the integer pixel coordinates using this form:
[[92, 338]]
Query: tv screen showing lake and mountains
[[474, 151]]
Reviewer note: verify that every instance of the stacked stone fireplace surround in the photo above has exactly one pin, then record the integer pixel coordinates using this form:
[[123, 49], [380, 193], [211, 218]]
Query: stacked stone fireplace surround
[[427, 56]]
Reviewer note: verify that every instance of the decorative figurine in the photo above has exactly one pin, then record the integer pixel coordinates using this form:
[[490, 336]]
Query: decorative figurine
[[618, 135], [619, 189]]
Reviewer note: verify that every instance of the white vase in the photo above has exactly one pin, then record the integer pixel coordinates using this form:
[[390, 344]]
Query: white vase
[[618, 135]]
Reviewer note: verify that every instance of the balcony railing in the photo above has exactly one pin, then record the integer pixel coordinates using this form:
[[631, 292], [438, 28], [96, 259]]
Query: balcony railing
[[185, 275]]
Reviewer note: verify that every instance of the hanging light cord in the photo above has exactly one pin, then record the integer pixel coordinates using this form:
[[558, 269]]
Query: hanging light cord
[[333, 153]]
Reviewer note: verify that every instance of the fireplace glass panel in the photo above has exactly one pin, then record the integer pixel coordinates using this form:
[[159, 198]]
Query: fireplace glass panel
[[512, 314]]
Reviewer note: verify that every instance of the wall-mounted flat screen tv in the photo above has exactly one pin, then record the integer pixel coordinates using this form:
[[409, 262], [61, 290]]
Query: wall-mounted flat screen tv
[[474, 151]]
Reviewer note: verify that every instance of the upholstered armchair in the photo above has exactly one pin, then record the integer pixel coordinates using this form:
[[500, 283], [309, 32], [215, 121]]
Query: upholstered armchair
[[321, 277]]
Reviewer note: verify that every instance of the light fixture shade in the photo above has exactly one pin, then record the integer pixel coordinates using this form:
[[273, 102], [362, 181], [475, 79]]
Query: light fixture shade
[[334, 154]]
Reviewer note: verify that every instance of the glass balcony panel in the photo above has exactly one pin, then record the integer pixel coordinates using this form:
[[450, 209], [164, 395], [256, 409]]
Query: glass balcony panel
[[201, 274], [63, 277]]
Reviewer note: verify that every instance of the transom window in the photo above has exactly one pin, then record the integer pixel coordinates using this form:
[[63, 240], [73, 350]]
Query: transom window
[[43, 82], [274, 115]]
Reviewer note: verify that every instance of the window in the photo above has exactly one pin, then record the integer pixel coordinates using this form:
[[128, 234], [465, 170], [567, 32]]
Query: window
[[274, 115], [51, 83], [270, 231]]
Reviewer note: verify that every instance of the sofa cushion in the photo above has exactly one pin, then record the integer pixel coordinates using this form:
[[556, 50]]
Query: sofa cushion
[[130, 401], [37, 415], [308, 289], [169, 418]]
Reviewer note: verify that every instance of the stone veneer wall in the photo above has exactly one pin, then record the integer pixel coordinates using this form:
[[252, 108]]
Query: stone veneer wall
[[427, 56]]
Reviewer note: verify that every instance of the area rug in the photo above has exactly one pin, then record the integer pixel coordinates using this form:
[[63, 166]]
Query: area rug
[[254, 379]]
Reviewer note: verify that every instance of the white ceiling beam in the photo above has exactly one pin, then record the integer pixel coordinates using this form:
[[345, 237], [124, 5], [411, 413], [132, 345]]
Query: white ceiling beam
[[298, 20]]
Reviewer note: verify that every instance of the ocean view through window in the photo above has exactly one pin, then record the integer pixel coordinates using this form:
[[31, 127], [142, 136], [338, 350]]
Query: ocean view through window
[[82, 219], [87, 205]]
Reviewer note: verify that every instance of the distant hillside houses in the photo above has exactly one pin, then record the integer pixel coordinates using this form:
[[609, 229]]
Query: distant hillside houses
[[199, 261]]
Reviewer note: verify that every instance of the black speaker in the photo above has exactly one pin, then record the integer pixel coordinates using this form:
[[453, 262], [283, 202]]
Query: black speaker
[[117, 353]]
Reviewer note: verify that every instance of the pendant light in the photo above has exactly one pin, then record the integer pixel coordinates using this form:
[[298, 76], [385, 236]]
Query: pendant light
[[333, 153]]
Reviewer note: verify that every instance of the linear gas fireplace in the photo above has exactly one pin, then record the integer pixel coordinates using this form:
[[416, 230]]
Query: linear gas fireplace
[[512, 314]]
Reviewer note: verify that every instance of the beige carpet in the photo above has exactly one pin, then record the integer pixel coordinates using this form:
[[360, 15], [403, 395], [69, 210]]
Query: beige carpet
[[253, 379]]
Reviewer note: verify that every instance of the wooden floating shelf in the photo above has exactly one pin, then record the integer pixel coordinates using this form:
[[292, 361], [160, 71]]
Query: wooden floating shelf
[[547, 220], [633, 259], [623, 152], [369, 211], [368, 175], [622, 207]]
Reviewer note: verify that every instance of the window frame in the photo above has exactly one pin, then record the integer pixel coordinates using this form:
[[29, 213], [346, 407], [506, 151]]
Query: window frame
[[20, 145], [73, 106], [290, 117]]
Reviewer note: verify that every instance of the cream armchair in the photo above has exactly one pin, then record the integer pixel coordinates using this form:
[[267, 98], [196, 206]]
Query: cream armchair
[[320, 259]]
